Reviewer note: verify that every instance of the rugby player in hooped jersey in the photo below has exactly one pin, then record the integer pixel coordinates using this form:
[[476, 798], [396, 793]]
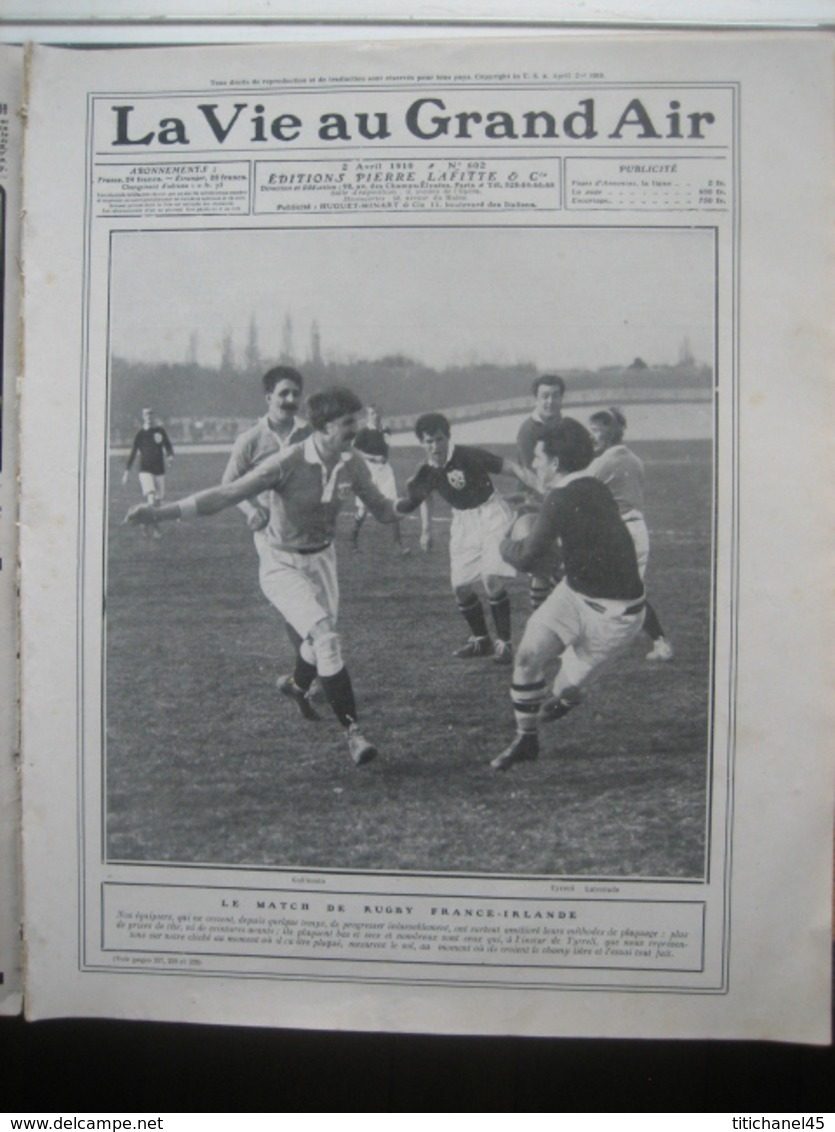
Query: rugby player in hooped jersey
[[480, 519], [307, 484], [623, 473], [598, 607]]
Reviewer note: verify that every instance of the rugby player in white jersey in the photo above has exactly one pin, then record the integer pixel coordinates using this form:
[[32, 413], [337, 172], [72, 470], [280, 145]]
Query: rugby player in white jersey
[[623, 473], [307, 484], [277, 430], [598, 607]]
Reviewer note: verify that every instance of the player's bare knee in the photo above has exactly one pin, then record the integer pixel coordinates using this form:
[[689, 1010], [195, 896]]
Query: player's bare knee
[[538, 648], [463, 594], [528, 663]]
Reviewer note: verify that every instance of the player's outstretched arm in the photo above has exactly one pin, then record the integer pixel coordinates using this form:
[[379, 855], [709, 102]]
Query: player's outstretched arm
[[146, 514], [523, 475], [212, 500], [383, 509], [417, 492], [426, 540]]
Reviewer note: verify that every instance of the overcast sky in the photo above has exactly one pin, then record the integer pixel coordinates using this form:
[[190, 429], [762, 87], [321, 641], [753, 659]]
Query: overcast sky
[[554, 298]]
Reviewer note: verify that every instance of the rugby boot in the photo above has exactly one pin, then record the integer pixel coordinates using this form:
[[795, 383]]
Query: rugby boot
[[475, 647], [289, 688], [523, 749], [555, 707], [359, 748], [661, 650]]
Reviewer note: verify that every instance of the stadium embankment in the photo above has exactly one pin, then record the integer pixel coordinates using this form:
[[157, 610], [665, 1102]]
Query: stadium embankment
[[682, 414]]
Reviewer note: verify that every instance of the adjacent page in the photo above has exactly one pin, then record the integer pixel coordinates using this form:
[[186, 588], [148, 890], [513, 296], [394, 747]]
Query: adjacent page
[[11, 144], [433, 226]]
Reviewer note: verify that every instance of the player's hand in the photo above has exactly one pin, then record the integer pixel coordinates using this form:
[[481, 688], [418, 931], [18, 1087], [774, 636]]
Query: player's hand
[[125, 477], [257, 519], [426, 541], [142, 515]]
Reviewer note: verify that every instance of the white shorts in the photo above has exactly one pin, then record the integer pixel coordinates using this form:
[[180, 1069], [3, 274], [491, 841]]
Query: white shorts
[[640, 536], [594, 629], [149, 483], [304, 588], [382, 476], [474, 541]]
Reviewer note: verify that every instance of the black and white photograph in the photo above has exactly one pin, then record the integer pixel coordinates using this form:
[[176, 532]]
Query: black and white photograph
[[426, 664], [415, 628]]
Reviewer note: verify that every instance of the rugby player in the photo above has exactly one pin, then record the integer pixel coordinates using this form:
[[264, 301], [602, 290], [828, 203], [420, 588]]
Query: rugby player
[[372, 444], [480, 519], [152, 445], [597, 608], [307, 484], [548, 392], [623, 473], [277, 430]]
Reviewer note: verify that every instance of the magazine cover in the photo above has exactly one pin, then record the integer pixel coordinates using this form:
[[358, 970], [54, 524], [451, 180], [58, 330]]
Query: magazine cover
[[424, 608]]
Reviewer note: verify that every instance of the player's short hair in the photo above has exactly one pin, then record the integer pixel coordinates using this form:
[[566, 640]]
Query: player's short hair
[[330, 405], [281, 373], [431, 422], [612, 419], [571, 443], [548, 379]]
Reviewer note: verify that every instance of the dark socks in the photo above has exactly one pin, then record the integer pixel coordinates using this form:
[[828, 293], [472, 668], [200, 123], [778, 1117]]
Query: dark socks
[[304, 674], [652, 626], [340, 693], [500, 608], [473, 614]]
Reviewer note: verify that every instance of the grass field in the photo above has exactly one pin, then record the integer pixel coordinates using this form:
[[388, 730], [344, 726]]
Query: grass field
[[205, 763]]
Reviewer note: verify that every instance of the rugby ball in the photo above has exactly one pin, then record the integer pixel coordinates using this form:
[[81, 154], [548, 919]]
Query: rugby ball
[[522, 525]]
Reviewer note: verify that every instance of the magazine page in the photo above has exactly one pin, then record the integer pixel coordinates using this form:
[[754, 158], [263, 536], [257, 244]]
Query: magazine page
[[425, 618], [11, 136]]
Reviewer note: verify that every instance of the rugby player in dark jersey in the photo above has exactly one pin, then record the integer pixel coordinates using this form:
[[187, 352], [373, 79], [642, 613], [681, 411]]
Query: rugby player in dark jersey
[[480, 518], [372, 443], [598, 607], [152, 446]]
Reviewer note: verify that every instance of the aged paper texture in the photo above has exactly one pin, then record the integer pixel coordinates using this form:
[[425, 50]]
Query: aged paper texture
[[433, 227], [11, 135]]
